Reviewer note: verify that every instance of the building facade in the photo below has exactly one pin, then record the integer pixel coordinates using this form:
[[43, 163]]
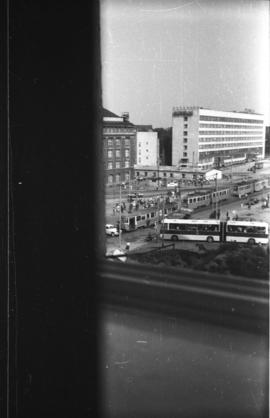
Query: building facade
[[167, 173], [147, 146], [119, 139], [204, 138]]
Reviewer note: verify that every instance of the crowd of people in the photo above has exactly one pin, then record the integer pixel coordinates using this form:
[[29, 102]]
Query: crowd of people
[[132, 205]]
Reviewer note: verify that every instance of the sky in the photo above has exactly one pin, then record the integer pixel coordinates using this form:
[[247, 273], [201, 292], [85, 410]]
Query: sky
[[208, 53]]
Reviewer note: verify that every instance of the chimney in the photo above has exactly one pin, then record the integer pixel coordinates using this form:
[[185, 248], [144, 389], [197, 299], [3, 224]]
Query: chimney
[[125, 116]]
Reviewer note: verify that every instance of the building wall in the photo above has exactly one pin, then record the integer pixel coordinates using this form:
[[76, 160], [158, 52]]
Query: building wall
[[168, 173], [185, 136], [119, 152], [147, 148], [209, 134]]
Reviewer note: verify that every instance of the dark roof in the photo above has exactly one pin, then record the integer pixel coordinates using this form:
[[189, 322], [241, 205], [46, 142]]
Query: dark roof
[[144, 128], [117, 124], [108, 114]]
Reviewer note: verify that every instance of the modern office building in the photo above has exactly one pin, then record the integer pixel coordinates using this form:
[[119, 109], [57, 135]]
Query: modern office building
[[205, 138], [119, 138], [147, 146]]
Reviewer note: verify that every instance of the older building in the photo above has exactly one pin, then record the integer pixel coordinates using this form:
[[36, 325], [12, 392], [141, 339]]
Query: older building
[[147, 145], [119, 137], [167, 173], [205, 138]]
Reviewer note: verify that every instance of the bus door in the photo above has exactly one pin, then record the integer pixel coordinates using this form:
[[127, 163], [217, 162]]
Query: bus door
[[222, 232]]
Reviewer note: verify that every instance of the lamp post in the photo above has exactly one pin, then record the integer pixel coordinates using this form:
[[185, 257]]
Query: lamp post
[[157, 172], [216, 198], [120, 218]]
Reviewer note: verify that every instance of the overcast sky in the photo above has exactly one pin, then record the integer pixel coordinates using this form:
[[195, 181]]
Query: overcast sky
[[160, 54]]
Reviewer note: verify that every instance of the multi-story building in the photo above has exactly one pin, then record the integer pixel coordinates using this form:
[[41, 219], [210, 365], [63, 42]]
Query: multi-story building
[[204, 138], [119, 137], [147, 146]]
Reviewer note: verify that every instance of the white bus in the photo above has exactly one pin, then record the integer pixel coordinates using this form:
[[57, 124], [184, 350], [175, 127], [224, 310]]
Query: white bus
[[214, 230], [191, 229], [247, 232]]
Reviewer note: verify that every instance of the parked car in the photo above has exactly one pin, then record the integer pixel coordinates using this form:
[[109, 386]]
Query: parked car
[[172, 184], [111, 230], [251, 202]]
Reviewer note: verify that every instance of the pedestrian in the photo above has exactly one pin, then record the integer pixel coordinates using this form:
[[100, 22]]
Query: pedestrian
[[113, 210]]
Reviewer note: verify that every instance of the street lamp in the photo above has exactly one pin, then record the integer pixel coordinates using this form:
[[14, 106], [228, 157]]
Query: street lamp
[[216, 197]]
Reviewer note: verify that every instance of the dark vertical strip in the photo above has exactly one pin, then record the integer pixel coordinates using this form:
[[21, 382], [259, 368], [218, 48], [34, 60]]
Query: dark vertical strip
[[56, 147], [4, 375]]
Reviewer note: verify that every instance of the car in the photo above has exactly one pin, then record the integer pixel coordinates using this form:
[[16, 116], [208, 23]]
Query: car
[[172, 184], [251, 202], [111, 230]]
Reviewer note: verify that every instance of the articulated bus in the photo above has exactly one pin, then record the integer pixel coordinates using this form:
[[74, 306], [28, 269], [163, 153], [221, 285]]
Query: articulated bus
[[214, 230]]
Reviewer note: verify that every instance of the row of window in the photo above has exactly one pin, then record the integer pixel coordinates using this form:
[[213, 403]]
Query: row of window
[[117, 153], [235, 126], [117, 178], [117, 142], [119, 130], [221, 146], [234, 132], [232, 145], [232, 139], [194, 229], [251, 230], [153, 174], [117, 164], [230, 119], [219, 152]]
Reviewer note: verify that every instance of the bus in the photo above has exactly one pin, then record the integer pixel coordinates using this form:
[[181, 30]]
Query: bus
[[191, 230], [214, 231], [246, 232]]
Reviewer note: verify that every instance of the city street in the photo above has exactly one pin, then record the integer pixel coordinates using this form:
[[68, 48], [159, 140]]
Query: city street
[[137, 240]]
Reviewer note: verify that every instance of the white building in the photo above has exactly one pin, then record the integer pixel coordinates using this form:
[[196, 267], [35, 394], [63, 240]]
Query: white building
[[213, 175], [205, 138], [147, 148]]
